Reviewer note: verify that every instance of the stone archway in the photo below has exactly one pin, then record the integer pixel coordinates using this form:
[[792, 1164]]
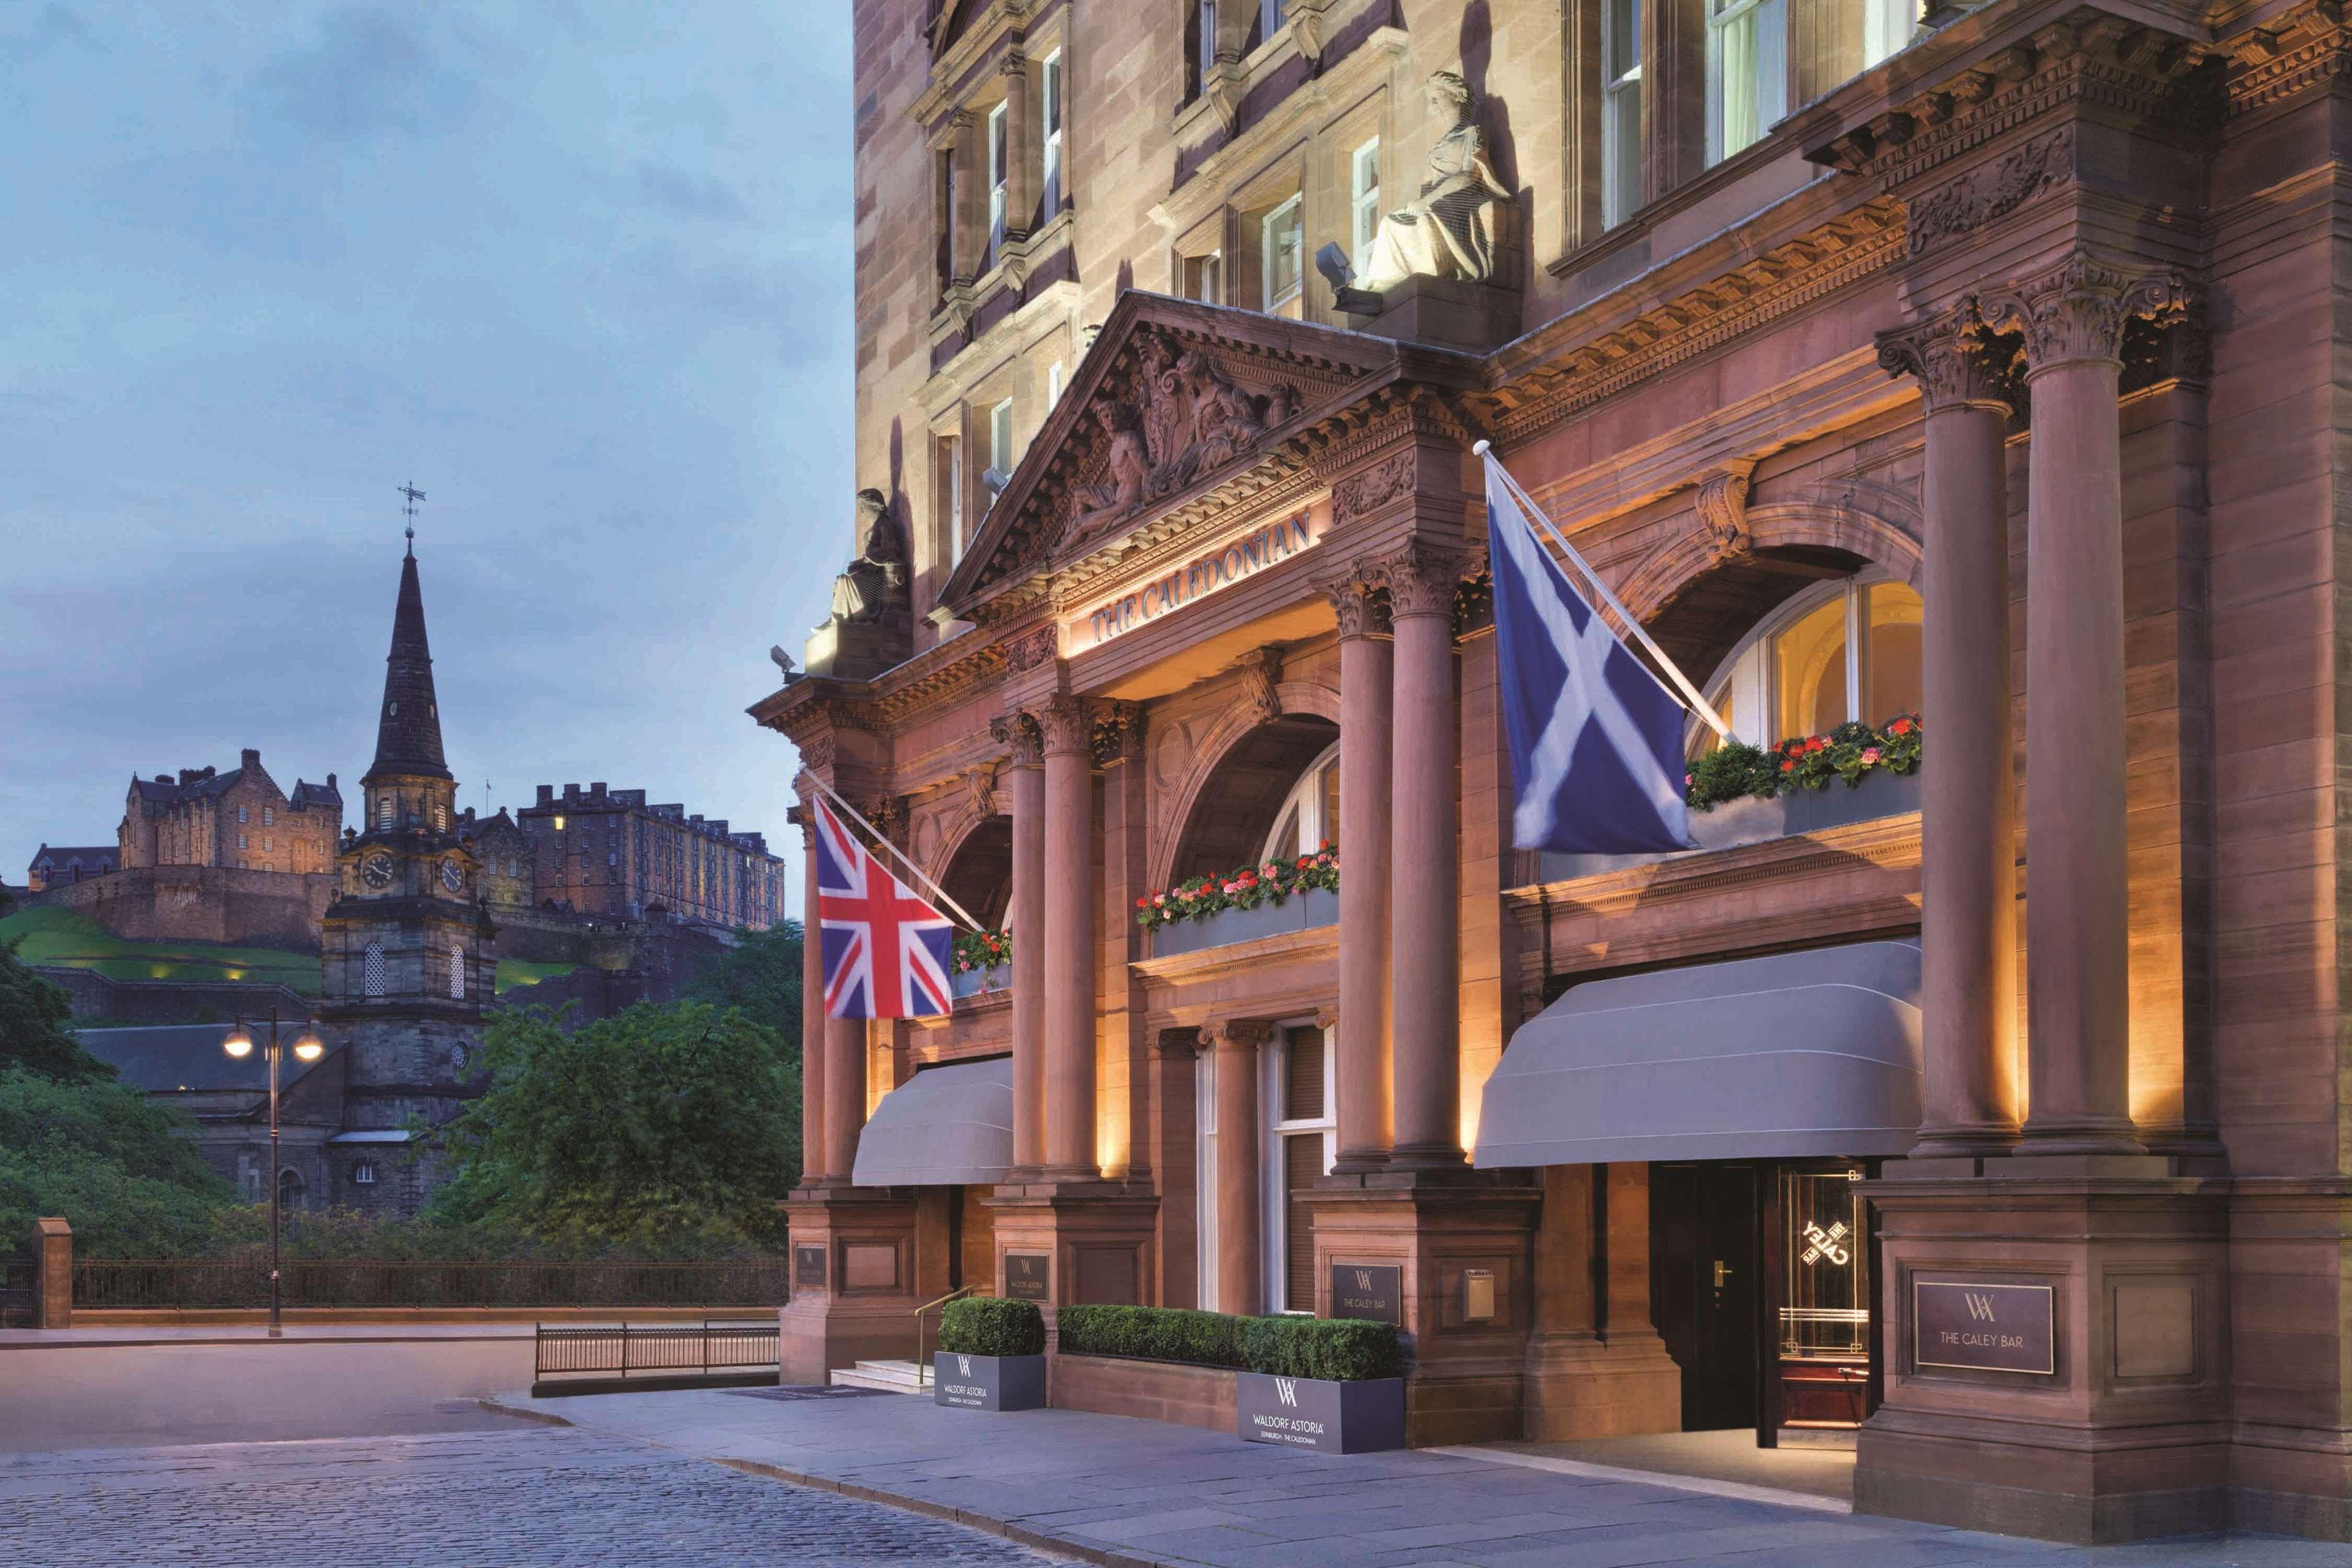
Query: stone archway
[[1231, 801], [977, 871]]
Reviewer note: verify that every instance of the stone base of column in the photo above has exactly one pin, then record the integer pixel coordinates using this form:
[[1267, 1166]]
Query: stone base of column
[[2108, 1272], [1581, 1386], [1091, 1240], [864, 1308], [1450, 1235]]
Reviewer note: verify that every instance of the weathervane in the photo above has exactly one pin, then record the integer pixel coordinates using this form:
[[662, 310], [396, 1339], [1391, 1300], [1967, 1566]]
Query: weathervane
[[411, 495]]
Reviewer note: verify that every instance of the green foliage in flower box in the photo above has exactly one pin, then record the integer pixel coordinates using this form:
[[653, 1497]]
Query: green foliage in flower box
[[1246, 888], [1736, 771]]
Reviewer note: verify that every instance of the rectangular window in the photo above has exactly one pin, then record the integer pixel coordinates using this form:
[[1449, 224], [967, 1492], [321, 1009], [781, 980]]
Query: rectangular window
[[268, 816], [998, 152], [1363, 199], [241, 841], [945, 180], [1621, 110], [1049, 118], [1205, 277], [1270, 18], [999, 442], [1747, 72], [1054, 384], [948, 464], [1204, 43], [1282, 240], [240, 813], [1887, 29]]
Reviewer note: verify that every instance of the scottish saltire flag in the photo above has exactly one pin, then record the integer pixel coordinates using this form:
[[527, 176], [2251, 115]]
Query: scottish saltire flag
[[1596, 741], [885, 950]]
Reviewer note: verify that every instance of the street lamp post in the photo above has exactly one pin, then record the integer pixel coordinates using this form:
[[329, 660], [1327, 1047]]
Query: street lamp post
[[239, 1045]]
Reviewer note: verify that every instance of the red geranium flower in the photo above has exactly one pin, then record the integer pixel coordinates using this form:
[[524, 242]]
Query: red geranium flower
[[1788, 767]]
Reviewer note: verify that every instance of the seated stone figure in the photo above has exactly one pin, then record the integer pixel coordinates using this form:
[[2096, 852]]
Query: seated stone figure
[[876, 577], [1449, 232]]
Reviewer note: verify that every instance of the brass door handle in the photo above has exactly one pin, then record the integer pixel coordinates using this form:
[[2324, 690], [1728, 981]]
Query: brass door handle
[[1722, 1272]]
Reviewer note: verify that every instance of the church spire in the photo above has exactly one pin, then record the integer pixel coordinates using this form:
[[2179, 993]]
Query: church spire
[[408, 728]]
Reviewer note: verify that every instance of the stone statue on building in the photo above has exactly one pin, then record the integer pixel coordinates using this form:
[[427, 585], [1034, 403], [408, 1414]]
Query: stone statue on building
[[876, 578], [1450, 230], [1121, 491]]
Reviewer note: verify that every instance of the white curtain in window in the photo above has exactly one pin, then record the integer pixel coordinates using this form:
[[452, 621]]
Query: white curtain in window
[[1747, 72], [1621, 110]]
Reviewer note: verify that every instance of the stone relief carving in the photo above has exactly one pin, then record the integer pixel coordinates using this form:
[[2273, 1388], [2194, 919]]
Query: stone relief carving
[[1421, 579], [1722, 508], [2076, 311], [1031, 649], [1066, 724], [1965, 204], [1183, 419], [1172, 750], [1117, 732], [816, 753], [1951, 355], [1373, 488], [1260, 672], [1018, 732], [1449, 231]]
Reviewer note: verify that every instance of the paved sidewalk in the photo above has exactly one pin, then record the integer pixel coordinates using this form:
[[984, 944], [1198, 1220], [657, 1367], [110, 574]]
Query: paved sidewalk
[[1130, 1492]]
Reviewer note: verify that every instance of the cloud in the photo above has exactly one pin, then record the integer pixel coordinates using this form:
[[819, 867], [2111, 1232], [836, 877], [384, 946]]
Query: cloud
[[367, 73]]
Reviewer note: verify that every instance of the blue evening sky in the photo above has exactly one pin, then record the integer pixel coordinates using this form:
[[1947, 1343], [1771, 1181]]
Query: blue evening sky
[[579, 268]]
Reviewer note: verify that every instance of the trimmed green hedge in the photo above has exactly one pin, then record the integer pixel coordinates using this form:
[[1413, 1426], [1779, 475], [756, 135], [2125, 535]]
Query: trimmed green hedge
[[991, 1325], [1339, 1349]]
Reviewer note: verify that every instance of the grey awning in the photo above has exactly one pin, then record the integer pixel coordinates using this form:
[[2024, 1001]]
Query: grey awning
[[943, 1126], [1813, 1053]]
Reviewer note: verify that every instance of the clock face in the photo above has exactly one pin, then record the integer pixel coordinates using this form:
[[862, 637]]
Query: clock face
[[377, 870], [453, 876]]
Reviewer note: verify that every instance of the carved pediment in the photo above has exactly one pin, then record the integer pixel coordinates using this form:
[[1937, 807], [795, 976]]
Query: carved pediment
[[1175, 400]]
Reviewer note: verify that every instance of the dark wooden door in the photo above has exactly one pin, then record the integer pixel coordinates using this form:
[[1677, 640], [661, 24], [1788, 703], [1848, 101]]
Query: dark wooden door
[[1704, 1278]]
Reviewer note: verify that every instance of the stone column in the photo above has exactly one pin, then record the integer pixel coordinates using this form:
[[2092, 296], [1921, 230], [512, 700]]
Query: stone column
[[1968, 857], [1025, 782], [1424, 905], [1020, 150], [845, 1096], [1366, 747], [813, 1018], [1241, 1249], [2077, 987], [1070, 939]]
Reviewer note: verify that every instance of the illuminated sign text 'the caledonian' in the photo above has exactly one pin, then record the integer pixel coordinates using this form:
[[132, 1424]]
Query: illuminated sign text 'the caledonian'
[[1219, 568]]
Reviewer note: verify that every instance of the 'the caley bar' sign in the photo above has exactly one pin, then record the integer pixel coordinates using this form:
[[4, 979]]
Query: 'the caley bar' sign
[[1367, 1291], [1228, 564], [1983, 1327]]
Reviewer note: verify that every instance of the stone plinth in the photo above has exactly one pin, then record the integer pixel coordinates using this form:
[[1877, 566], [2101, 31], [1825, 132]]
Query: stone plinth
[[2126, 1436], [1467, 1378], [864, 1308], [1095, 1236], [858, 650], [53, 1278], [1449, 312]]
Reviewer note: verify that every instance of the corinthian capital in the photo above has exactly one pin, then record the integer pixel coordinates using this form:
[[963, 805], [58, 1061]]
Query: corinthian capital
[[2075, 311], [1421, 579], [1018, 732], [1067, 725], [1950, 358]]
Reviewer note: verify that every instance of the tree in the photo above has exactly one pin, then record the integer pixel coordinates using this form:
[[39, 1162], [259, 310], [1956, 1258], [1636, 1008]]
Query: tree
[[32, 1033], [117, 1166], [760, 974], [663, 1128]]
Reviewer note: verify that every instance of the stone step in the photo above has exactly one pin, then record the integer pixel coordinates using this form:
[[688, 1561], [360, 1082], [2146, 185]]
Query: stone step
[[891, 1377]]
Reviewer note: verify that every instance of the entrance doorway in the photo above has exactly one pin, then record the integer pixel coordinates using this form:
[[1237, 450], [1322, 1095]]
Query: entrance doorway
[[1763, 1281]]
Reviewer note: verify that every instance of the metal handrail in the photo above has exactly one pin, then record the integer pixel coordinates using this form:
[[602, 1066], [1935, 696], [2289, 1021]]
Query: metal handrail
[[923, 1363]]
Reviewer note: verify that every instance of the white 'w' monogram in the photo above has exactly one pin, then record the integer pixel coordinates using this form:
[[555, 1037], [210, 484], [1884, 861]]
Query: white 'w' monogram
[[964, 1366], [1286, 1390], [1363, 1279], [1979, 1306]]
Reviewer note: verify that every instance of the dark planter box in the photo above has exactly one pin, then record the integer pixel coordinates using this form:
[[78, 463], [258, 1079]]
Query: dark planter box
[[972, 981], [1363, 1417], [1301, 911], [988, 1381]]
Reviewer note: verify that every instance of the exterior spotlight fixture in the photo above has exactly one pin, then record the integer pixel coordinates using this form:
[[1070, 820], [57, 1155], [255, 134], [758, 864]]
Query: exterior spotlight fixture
[[306, 1047], [240, 1043]]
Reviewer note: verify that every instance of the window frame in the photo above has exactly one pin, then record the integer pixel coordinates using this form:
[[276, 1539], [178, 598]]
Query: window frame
[[1052, 112], [1749, 679], [1275, 1131], [1306, 799], [1273, 300], [1363, 197], [998, 150], [1771, 50], [1620, 94]]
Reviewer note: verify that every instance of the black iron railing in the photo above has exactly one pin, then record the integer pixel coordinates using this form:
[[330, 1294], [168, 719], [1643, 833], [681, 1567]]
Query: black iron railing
[[19, 1277], [196, 1283], [714, 1346]]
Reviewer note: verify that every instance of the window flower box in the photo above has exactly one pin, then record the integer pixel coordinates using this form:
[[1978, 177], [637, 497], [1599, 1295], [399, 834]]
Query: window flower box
[[966, 983], [1300, 912], [1755, 819]]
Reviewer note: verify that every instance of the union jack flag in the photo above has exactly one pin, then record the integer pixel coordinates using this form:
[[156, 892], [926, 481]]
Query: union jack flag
[[885, 950]]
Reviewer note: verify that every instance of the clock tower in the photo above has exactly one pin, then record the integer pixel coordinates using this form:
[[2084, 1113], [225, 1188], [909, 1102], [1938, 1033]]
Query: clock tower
[[407, 952]]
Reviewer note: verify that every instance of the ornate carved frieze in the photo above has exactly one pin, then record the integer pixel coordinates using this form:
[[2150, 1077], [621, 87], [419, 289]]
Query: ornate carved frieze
[[816, 753], [1957, 359], [1993, 189], [1421, 579], [1067, 723], [1722, 508], [2076, 311], [2288, 56], [1031, 649], [1261, 673], [1018, 733], [1368, 489]]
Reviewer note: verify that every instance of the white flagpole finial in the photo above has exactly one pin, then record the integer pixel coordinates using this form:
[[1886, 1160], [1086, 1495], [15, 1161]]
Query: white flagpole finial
[[1480, 448]]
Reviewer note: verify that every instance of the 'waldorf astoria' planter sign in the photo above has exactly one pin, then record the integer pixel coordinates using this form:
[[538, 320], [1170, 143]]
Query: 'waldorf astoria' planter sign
[[988, 1381], [1203, 574], [1983, 1328], [1369, 1290], [1360, 1417]]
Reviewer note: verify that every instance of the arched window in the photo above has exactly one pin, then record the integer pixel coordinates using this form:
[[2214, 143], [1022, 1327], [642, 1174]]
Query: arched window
[[1845, 651], [363, 1174], [371, 970], [384, 810], [1309, 818], [457, 974], [290, 1189]]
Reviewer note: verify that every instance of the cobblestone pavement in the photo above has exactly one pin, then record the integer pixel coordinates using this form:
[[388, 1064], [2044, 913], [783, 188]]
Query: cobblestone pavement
[[475, 1500]]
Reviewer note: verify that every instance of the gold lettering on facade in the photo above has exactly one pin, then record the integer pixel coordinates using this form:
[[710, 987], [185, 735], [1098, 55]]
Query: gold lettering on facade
[[1244, 557]]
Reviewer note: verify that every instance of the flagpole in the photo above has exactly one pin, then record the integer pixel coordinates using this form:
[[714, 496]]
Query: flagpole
[[1531, 512], [883, 839]]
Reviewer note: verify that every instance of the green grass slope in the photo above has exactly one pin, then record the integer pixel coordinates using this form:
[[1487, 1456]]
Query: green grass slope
[[59, 936]]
